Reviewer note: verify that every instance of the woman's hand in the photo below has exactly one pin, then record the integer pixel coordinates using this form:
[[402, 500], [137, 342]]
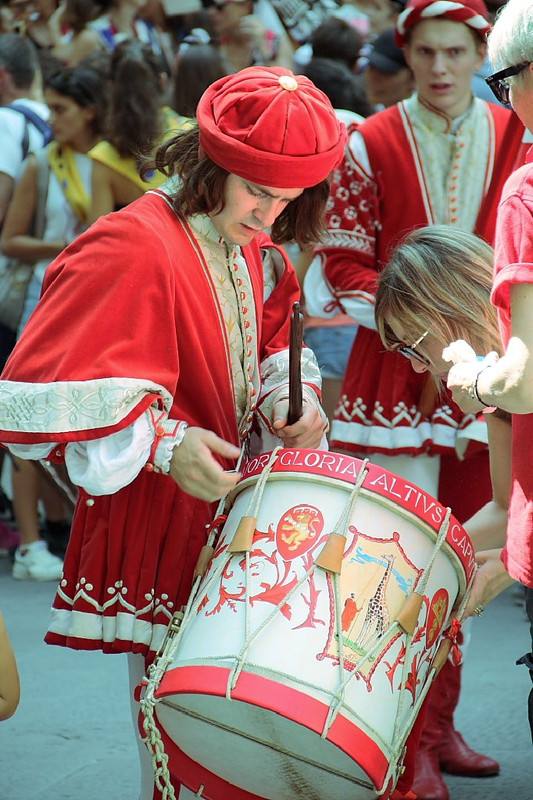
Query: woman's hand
[[491, 580], [463, 374]]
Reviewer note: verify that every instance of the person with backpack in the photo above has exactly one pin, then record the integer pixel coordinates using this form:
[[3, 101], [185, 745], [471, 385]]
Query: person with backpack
[[24, 128], [50, 209], [23, 114]]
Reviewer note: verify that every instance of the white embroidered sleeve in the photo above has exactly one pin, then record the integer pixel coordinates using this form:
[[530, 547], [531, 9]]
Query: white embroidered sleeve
[[361, 309], [320, 300], [31, 452], [351, 232], [103, 466]]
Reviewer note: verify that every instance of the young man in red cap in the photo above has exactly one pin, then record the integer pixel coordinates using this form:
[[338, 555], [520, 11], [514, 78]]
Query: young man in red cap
[[159, 353], [441, 156]]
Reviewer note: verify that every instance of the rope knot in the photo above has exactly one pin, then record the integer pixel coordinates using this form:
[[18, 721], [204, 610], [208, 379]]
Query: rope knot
[[217, 523], [332, 305], [452, 634]]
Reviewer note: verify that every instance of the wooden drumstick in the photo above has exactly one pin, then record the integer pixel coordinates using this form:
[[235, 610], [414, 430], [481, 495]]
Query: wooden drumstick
[[295, 364]]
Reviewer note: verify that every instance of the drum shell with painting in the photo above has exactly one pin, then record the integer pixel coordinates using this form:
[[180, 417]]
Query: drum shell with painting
[[272, 621]]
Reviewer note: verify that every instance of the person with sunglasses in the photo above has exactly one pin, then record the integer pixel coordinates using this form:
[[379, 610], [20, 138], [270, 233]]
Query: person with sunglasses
[[439, 157], [441, 280], [499, 82], [434, 289], [506, 382]]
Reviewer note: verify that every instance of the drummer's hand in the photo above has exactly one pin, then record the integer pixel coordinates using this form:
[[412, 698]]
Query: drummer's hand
[[306, 432], [491, 579], [462, 375], [196, 471]]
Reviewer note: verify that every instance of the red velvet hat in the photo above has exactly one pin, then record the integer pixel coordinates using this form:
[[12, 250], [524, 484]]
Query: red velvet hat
[[270, 127], [473, 13]]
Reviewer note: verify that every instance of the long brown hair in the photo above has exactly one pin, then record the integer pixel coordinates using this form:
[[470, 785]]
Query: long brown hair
[[196, 67], [202, 185], [134, 124]]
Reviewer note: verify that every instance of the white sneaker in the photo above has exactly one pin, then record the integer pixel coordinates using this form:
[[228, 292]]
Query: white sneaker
[[37, 564]]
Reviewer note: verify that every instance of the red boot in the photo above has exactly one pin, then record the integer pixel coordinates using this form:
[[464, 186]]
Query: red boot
[[428, 783], [455, 756]]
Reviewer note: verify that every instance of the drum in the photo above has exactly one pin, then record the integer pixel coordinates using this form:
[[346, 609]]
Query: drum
[[310, 643]]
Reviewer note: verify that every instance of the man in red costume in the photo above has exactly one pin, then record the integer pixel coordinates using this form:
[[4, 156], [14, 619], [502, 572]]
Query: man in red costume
[[158, 356], [439, 157]]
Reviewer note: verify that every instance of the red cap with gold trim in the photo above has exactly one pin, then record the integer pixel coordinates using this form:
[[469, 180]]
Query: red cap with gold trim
[[271, 127]]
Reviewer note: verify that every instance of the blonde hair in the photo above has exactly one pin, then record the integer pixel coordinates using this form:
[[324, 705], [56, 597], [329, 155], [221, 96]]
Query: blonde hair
[[439, 279]]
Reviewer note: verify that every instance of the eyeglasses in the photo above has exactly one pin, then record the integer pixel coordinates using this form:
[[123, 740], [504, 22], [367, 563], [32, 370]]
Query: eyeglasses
[[499, 85], [410, 351]]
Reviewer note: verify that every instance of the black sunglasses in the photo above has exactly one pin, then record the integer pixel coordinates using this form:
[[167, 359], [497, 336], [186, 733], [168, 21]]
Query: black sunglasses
[[499, 85], [410, 351]]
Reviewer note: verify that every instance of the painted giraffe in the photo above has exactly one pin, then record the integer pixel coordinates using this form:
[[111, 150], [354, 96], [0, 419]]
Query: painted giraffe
[[377, 612]]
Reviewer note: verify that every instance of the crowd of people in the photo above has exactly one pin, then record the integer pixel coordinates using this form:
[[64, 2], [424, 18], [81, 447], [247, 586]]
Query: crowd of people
[[132, 76], [383, 165]]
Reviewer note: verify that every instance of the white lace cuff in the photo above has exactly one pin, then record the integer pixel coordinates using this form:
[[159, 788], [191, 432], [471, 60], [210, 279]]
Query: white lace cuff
[[168, 434], [104, 466]]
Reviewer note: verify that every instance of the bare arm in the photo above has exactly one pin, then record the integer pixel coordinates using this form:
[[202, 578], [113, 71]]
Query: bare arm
[[109, 190], [80, 46], [253, 28], [302, 263], [9, 677], [508, 383], [102, 200], [16, 241], [6, 190], [285, 54], [487, 528]]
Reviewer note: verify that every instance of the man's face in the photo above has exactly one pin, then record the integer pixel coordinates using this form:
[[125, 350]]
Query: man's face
[[249, 209], [443, 56]]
